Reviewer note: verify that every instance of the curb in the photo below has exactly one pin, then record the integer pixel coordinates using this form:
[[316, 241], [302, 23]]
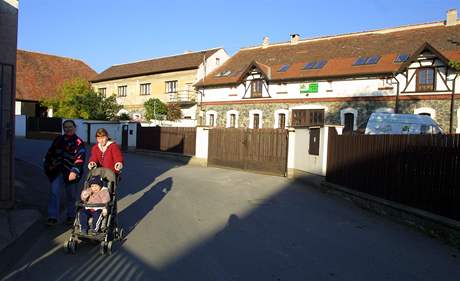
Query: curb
[[434, 225]]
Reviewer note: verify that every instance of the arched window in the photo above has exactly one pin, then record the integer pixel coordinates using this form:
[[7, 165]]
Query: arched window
[[232, 119], [348, 119], [281, 118], [255, 119]]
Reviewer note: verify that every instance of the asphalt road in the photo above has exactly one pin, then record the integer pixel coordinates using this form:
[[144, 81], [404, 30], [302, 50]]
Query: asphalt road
[[191, 223]]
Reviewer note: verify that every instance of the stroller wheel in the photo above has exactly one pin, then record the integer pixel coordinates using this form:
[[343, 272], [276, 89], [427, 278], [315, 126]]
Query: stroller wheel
[[103, 248], [66, 247], [109, 248], [119, 233], [72, 247]]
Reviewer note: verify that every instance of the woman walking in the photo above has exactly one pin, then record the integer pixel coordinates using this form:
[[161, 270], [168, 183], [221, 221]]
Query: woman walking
[[106, 153], [63, 165]]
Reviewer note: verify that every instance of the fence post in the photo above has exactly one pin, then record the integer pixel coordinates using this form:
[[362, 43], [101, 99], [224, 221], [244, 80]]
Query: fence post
[[201, 145], [291, 154]]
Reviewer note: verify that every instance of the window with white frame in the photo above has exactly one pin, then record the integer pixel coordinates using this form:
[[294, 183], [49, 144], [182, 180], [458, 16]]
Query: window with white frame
[[428, 111], [232, 119], [211, 118], [145, 89], [217, 61], [122, 91], [348, 119], [281, 118], [255, 119], [171, 86], [102, 92]]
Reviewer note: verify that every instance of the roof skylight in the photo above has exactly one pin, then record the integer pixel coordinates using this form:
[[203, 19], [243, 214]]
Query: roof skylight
[[401, 58], [367, 60], [283, 68], [315, 64]]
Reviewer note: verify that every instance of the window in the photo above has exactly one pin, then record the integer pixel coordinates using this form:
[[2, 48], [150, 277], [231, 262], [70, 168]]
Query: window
[[315, 64], [171, 86], [282, 121], [425, 80], [145, 89], [401, 58], [233, 120], [217, 61], [256, 117], [256, 88], [122, 91], [283, 68], [211, 120], [367, 60], [349, 122], [224, 73], [102, 92]]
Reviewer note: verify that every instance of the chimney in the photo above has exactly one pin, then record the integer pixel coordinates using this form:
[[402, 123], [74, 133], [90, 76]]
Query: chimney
[[294, 38], [266, 42], [451, 17]]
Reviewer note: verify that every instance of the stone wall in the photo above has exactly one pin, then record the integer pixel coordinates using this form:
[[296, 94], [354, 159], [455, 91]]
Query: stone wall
[[364, 108]]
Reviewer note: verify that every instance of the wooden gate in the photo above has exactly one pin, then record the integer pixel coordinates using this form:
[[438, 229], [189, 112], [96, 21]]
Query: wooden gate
[[261, 150]]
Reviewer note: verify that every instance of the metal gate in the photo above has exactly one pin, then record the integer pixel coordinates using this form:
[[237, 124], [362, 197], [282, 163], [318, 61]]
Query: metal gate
[[261, 150]]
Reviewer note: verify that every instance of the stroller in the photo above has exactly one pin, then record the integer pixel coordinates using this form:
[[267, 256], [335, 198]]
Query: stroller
[[110, 230]]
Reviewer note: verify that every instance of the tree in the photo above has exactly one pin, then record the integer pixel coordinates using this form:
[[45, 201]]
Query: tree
[[455, 65], [154, 109], [174, 112], [76, 99]]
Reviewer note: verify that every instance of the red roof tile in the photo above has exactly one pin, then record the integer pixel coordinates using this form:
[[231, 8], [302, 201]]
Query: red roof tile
[[340, 52], [159, 65], [40, 75]]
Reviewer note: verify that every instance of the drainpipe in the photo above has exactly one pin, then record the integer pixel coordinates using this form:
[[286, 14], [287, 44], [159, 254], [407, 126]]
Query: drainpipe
[[397, 94], [452, 102]]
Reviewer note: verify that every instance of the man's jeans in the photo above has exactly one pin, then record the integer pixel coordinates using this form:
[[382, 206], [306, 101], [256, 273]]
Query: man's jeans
[[71, 195]]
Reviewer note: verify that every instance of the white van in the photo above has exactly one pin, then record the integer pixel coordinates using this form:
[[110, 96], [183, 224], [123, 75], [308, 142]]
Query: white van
[[382, 123]]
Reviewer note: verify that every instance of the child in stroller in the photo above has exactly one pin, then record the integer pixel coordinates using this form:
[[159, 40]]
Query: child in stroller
[[107, 231]]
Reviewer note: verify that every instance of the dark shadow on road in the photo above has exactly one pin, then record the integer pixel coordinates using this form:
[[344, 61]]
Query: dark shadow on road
[[134, 213], [298, 233]]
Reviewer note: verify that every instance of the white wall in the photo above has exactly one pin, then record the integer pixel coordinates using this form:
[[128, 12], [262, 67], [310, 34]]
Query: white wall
[[303, 161], [113, 128], [20, 125], [326, 89], [202, 139], [211, 63]]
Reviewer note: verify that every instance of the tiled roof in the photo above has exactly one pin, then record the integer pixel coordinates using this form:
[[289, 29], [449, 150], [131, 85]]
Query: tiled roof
[[158, 65], [40, 75], [340, 52]]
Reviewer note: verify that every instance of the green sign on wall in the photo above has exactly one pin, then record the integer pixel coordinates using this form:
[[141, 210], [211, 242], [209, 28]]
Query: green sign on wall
[[309, 88]]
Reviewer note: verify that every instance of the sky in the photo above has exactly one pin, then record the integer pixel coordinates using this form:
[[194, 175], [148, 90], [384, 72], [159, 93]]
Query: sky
[[107, 32]]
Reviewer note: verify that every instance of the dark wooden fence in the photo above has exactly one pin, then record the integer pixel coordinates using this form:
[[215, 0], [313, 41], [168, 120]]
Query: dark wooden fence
[[421, 171], [262, 150], [43, 127], [175, 139]]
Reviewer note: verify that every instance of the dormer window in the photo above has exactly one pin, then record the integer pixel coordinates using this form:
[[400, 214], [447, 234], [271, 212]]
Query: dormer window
[[367, 60], [224, 73], [315, 64], [425, 79], [256, 88], [401, 58], [283, 68]]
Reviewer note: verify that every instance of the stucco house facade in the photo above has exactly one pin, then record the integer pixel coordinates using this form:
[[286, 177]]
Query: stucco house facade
[[169, 79], [403, 69]]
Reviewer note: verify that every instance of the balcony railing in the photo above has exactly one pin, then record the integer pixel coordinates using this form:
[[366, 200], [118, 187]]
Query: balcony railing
[[183, 96]]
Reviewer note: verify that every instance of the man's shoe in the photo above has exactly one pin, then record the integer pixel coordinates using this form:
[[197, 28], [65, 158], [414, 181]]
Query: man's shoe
[[51, 222], [69, 221]]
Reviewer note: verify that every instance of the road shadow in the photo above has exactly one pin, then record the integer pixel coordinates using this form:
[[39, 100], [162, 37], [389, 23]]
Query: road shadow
[[296, 233]]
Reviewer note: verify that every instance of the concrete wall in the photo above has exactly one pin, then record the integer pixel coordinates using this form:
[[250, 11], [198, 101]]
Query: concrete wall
[[305, 162], [113, 128], [20, 125]]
